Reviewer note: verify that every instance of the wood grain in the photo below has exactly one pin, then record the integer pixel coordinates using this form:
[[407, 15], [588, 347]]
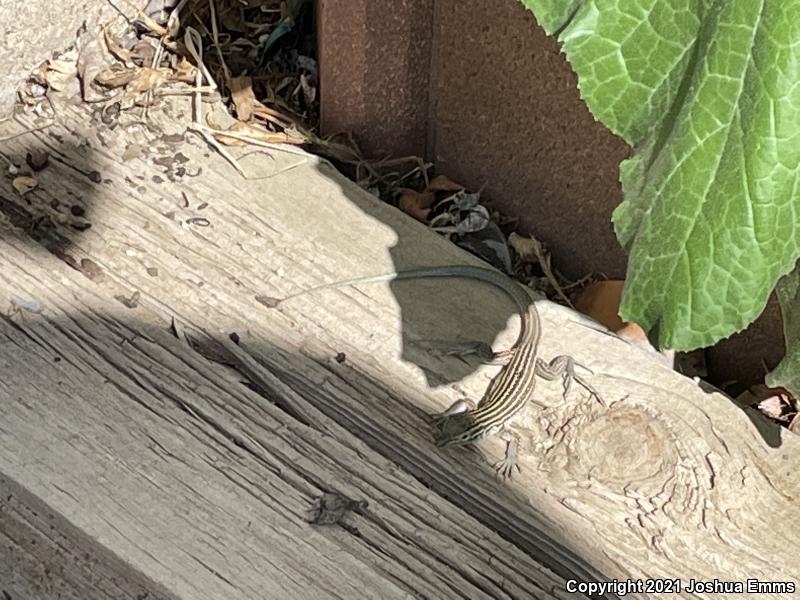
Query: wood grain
[[201, 474]]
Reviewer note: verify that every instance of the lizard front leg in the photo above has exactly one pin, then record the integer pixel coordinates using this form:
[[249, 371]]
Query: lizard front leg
[[564, 366], [505, 467], [481, 350]]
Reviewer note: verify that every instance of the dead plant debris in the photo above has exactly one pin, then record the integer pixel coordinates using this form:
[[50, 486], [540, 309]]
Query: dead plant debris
[[777, 404], [331, 508], [255, 58]]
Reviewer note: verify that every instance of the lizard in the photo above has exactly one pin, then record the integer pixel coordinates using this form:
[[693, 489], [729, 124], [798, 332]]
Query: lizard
[[508, 393]]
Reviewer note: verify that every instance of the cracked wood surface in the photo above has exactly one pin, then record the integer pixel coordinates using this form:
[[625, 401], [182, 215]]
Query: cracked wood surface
[[199, 475]]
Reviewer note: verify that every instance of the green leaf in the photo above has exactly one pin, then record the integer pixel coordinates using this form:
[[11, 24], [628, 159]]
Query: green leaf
[[787, 373], [708, 95]]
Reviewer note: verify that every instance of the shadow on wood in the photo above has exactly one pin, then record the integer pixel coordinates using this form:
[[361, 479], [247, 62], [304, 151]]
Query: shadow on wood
[[201, 474]]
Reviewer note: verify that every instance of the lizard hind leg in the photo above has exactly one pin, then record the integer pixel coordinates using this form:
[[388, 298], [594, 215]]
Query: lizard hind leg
[[458, 408], [481, 350], [452, 423]]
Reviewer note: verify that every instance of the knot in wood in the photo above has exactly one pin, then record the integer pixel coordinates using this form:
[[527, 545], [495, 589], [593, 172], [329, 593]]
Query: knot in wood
[[623, 447]]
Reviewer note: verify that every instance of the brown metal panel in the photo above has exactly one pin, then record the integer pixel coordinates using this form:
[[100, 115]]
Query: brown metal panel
[[505, 111], [508, 114], [374, 67]]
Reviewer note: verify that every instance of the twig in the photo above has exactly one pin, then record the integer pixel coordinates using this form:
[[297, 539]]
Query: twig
[[203, 89], [288, 148], [203, 131], [276, 173], [580, 281], [171, 27], [545, 265], [194, 45], [215, 39], [21, 133]]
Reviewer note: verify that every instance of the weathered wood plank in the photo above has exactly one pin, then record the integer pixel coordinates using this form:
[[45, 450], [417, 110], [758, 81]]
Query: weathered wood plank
[[175, 465], [44, 556], [169, 461], [201, 483]]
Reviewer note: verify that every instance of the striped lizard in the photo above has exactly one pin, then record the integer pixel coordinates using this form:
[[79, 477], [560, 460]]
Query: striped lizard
[[506, 395]]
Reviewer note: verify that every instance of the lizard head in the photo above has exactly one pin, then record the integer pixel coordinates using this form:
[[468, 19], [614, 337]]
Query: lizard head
[[460, 437]]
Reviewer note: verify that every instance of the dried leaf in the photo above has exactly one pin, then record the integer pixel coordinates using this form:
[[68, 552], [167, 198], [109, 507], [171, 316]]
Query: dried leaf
[[490, 244], [270, 114], [39, 74], [228, 140], [184, 72], [527, 249], [62, 76], [309, 91], [307, 63], [442, 183], [774, 402], [473, 220], [144, 51], [114, 77], [66, 66], [243, 97], [759, 391], [416, 204], [599, 300], [632, 333], [24, 184], [31, 92], [118, 51], [211, 121], [91, 61], [467, 201], [154, 15], [257, 134], [772, 407], [146, 79]]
